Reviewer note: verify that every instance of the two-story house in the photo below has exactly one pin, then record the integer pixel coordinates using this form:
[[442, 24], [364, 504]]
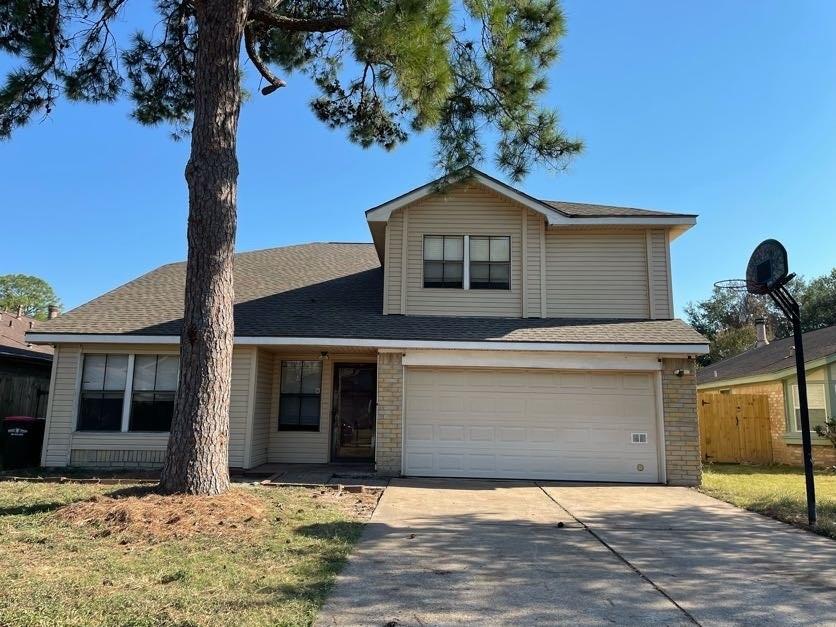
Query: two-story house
[[483, 333]]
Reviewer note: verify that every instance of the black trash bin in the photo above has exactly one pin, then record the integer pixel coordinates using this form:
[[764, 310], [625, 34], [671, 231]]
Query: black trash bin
[[21, 441]]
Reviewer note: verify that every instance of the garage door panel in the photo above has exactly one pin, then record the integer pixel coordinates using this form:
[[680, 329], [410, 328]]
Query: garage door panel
[[530, 424]]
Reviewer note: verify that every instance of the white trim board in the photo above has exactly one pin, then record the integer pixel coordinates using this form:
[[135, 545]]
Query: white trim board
[[662, 349], [509, 359]]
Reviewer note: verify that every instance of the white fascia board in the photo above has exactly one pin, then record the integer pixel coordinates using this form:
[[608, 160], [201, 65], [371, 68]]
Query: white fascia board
[[520, 359], [95, 338], [668, 221], [665, 349]]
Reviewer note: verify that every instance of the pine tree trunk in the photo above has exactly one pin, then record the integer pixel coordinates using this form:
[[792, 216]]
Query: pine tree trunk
[[197, 461]]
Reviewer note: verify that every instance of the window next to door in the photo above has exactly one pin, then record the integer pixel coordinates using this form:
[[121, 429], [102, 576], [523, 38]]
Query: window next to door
[[299, 396]]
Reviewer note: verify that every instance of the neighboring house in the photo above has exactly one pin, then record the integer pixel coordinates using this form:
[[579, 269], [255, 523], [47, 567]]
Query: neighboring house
[[24, 368], [769, 369], [483, 333]]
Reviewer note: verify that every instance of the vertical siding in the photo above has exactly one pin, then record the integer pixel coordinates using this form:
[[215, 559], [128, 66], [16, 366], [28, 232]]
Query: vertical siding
[[239, 400], [465, 210], [593, 273], [532, 254], [392, 272], [659, 269], [62, 404], [261, 412]]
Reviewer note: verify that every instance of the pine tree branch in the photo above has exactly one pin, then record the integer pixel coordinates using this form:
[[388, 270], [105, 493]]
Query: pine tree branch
[[258, 62], [324, 24]]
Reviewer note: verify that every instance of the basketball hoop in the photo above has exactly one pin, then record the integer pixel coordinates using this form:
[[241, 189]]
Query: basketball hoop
[[734, 285]]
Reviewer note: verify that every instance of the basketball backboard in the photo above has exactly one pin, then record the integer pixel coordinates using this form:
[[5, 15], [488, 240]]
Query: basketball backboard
[[768, 267]]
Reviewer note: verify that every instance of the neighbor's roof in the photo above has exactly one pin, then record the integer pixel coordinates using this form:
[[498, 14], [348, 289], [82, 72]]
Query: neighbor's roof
[[13, 341], [333, 291], [774, 357]]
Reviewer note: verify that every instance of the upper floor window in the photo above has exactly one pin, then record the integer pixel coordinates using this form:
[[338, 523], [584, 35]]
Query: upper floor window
[[816, 405], [299, 397], [490, 262], [127, 392], [444, 261]]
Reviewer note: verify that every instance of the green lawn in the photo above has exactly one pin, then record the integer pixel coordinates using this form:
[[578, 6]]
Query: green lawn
[[776, 491], [273, 571]]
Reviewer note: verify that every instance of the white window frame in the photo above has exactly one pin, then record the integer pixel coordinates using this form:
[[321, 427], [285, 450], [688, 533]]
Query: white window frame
[[465, 259], [129, 389], [793, 389]]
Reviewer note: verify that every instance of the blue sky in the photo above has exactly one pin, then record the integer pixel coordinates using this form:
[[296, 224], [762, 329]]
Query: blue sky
[[725, 109]]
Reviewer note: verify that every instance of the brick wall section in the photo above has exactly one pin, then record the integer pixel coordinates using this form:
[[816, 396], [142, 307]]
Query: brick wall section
[[389, 408], [92, 458], [782, 452], [682, 433]]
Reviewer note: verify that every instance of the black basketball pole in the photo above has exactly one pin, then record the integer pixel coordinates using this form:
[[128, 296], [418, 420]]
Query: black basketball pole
[[790, 307]]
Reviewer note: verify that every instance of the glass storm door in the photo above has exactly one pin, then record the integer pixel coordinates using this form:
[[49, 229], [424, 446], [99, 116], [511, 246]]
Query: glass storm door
[[354, 412]]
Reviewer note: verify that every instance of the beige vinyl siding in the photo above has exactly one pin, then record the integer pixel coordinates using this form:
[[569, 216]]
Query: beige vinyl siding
[[592, 273], [392, 266], [260, 442], [464, 210], [60, 418], [659, 274], [61, 436], [534, 224]]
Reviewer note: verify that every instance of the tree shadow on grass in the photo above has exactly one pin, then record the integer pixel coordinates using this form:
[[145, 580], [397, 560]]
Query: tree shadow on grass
[[31, 508], [339, 530]]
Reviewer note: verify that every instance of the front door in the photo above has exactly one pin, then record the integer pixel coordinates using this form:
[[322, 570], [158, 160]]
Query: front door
[[355, 387]]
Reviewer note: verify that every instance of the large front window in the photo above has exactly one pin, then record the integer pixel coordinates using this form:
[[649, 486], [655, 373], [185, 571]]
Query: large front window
[[127, 392], [299, 399], [816, 404]]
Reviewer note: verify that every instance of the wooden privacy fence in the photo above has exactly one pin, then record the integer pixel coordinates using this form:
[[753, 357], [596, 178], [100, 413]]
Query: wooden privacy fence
[[734, 428]]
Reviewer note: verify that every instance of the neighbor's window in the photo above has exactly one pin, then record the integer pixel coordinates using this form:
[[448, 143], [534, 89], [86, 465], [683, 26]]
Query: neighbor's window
[[299, 398], [490, 262], [102, 392], [154, 386], [815, 403], [444, 261]]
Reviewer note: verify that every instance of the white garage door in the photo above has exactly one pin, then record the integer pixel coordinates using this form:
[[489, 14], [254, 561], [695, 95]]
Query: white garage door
[[530, 424]]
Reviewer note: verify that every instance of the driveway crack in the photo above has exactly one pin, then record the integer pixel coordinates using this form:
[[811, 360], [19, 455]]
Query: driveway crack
[[621, 558]]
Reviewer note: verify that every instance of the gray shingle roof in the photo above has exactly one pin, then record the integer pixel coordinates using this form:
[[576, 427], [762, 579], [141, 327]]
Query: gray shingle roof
[[332, 291], [773, 357], [586, 210]]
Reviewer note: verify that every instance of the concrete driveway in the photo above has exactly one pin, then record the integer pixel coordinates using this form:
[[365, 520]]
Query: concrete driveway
[[469, 551]]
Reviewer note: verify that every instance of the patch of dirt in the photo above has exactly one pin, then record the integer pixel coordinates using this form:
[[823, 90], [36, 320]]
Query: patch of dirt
[[142, 515], [360, 505]]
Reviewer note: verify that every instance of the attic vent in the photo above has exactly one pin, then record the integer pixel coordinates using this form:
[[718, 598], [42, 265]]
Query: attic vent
[[638, 438]]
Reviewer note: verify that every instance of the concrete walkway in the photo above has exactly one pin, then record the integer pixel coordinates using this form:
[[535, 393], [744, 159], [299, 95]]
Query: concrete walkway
[[442, 552]]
